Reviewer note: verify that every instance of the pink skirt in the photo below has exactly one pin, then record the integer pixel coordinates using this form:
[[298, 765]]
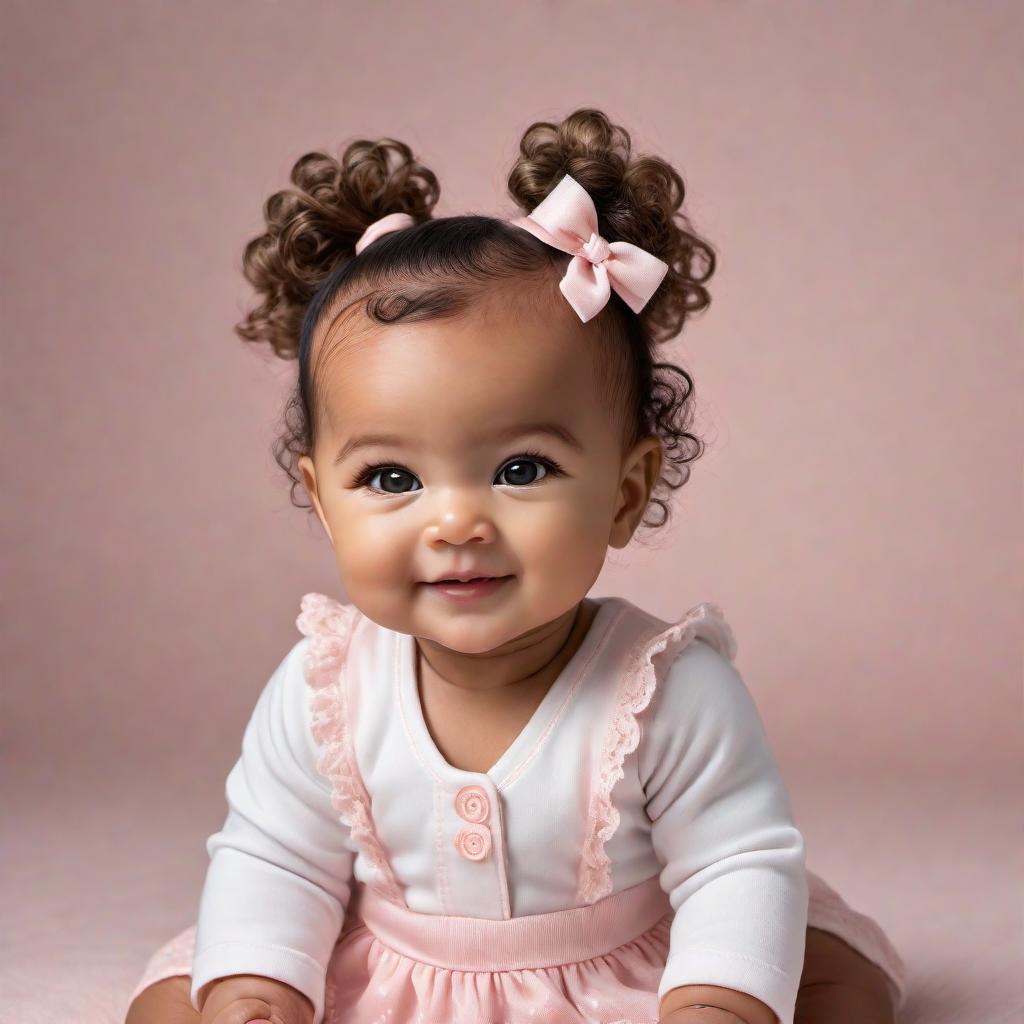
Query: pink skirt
[[600, 962], [596, 964]]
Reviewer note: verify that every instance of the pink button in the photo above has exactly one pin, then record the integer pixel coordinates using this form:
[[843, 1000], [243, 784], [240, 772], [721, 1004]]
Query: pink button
[[472, 804], [473, 842]]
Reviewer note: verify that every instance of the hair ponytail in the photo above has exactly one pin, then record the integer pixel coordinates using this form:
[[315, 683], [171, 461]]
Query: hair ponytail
[[313, 228], [638, 199]]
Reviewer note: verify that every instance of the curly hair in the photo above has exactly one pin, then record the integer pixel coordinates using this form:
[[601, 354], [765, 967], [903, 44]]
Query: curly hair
[[305, 268]]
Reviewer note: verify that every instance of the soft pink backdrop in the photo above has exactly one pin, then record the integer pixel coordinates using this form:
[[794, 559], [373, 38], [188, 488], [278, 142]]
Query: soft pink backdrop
[[857, 514]]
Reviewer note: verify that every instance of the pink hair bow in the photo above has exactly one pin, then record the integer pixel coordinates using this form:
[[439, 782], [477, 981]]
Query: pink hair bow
[[567, 220]]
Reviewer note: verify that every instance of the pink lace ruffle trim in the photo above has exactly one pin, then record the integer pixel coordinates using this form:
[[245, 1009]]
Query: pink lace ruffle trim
[[329, 624], [705, 621]]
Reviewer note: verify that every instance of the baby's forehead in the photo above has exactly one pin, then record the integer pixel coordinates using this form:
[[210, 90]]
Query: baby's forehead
[[491, 367]]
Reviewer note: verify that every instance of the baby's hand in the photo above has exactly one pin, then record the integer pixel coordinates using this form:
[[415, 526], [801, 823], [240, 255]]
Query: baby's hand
[[245, 998]]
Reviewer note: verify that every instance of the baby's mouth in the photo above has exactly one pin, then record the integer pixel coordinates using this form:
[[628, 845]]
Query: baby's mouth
[[479, 586]]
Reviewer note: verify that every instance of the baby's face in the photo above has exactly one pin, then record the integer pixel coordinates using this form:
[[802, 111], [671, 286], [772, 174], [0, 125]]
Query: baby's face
[[466, 483]]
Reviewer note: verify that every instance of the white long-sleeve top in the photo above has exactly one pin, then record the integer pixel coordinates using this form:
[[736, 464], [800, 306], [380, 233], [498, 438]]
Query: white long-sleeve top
[[339, 782]]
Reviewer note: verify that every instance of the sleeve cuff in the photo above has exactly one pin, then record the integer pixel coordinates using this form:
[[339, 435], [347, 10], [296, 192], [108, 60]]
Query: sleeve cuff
[[763, 981], [278, 962]]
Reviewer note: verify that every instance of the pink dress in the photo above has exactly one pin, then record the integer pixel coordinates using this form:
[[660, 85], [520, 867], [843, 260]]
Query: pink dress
[[357, 865]]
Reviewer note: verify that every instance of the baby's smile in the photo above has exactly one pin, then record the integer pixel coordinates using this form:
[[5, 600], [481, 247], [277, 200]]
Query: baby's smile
[[470, 590]]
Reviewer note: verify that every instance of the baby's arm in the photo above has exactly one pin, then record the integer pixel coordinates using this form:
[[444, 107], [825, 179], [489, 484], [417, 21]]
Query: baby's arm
[[280, 870], [733, 859]]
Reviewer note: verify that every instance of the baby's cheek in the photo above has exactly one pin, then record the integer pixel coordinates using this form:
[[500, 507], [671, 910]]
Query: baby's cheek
[[373, 561], [567, 544]]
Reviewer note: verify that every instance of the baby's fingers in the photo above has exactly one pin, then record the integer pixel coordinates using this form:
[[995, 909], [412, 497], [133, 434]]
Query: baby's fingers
[[246, 1011]]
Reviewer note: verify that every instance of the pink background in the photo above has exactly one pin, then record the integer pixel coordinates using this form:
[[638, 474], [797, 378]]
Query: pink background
[[857, 514]]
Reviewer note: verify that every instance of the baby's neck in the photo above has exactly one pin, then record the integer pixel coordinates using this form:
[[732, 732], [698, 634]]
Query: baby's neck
[[473, 726]]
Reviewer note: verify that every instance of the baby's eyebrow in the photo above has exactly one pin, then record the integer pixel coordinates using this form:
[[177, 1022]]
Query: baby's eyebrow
[[551, 428]]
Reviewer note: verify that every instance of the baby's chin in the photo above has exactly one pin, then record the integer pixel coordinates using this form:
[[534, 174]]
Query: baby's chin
[[468, 623]]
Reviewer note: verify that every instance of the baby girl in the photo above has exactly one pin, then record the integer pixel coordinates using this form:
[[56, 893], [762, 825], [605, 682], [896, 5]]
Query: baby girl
[[473, 794]]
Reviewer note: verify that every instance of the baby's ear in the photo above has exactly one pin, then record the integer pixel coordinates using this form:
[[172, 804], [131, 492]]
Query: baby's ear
[[642, 466], [308, 471]]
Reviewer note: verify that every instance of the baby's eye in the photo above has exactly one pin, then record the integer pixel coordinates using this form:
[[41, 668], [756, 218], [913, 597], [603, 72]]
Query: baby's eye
[[393, 476], [522, 471]]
